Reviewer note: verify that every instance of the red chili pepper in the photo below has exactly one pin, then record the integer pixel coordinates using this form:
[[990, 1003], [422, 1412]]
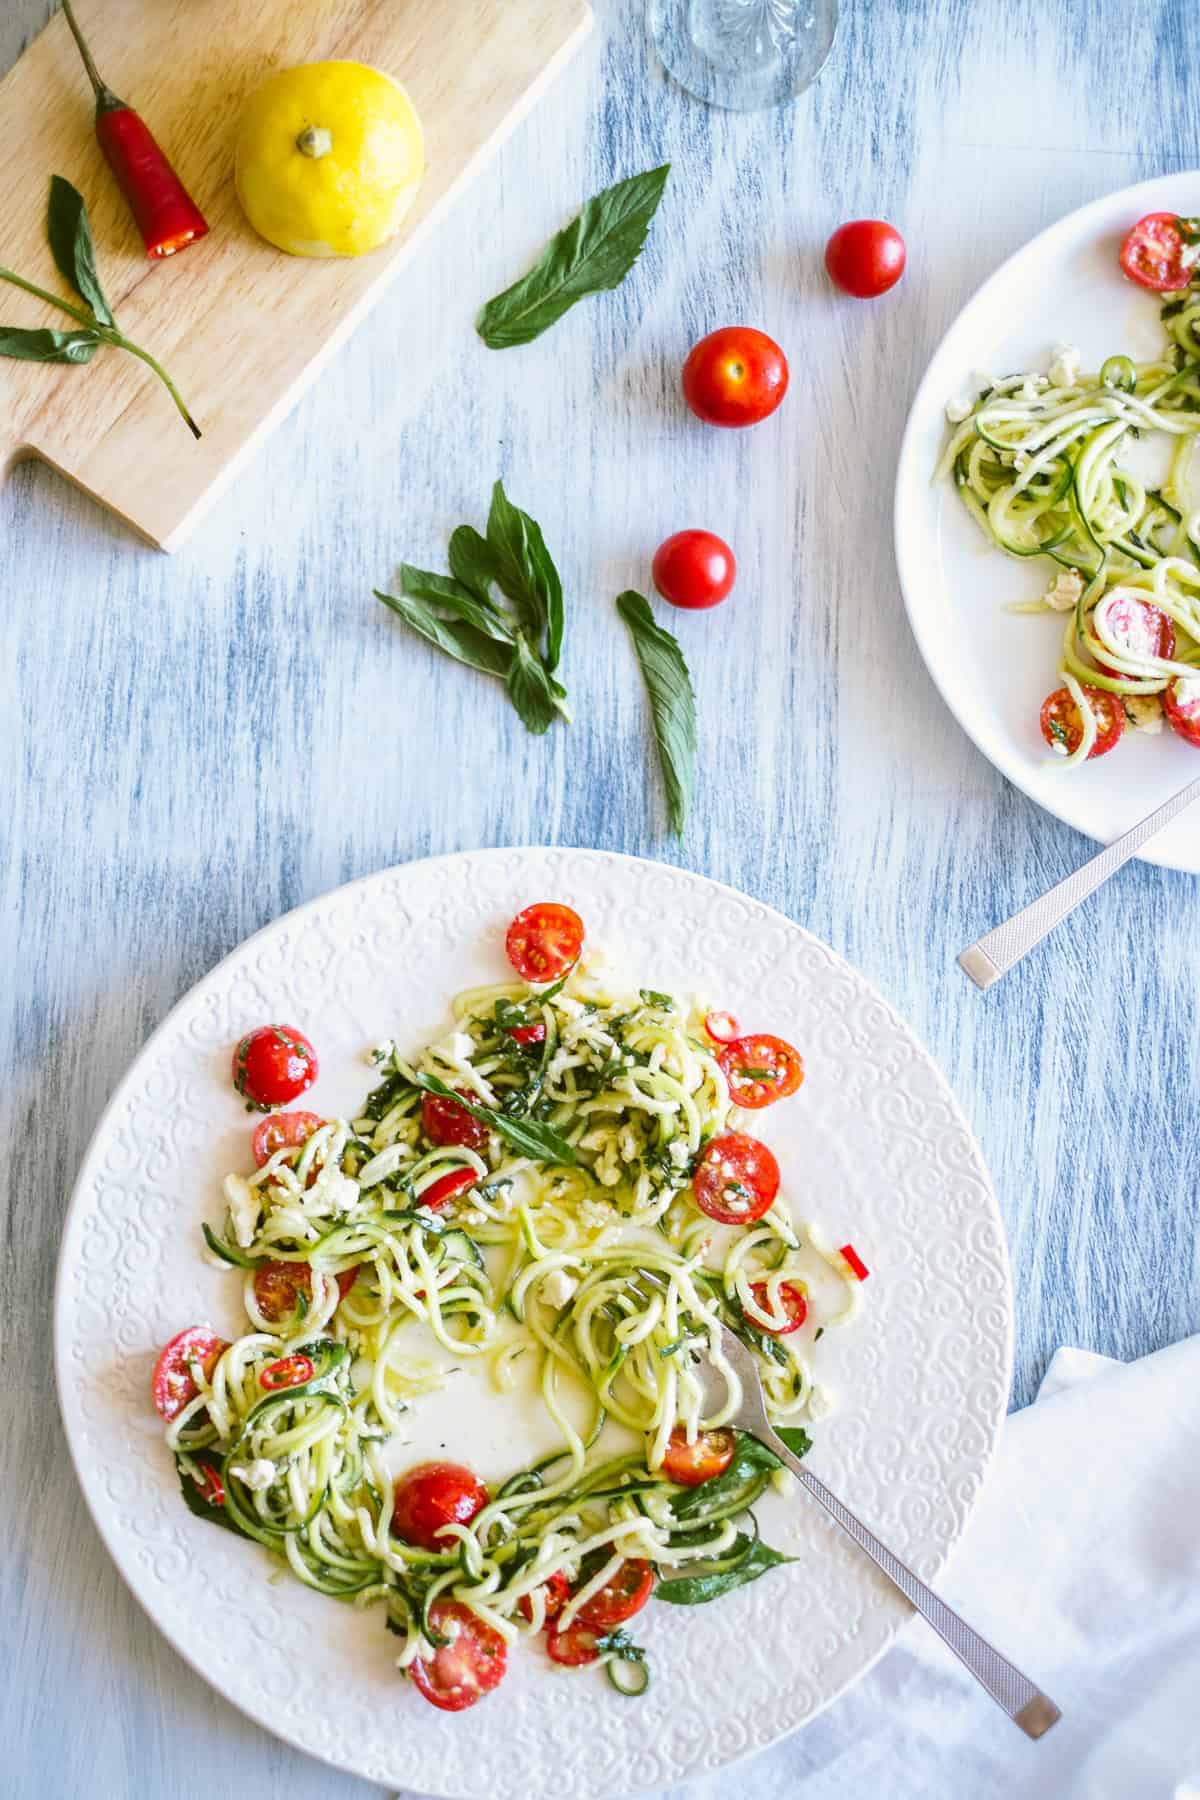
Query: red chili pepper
[[166, 215], [212, 1488], [858, 1267]]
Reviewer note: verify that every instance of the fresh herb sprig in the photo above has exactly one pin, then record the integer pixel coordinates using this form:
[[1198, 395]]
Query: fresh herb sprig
[[672, 702], [528, 1136], [521, 642], [74, 252], [593, 253]]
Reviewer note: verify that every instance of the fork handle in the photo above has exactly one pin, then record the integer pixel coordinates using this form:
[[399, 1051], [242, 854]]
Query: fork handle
[[1021, 1699]]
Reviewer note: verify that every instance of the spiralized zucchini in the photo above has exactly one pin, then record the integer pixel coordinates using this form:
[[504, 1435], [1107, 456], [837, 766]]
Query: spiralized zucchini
[[603, 1272], [1042, 464]]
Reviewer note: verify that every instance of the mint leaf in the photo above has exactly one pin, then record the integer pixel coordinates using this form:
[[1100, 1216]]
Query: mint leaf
[[48, 346], [529, 690], [593, 253], [528, 1136], [697, 1590], [440, 590], [672, 702], [72, 247], [461, 641]]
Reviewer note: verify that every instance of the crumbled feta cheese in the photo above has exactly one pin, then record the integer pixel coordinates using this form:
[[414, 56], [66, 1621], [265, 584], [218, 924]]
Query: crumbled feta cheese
[[340, 1190], [257, 1475], [558, 1288], [820, 1402], [1187, 690], [677, 1150], [959, 406], [381, 1053], [784, 1482], [1189, 256], [1063, 593], [1144, 712], [1064, 365], [243, 1209], [459, 1047], [565, 1004], [473, 1216]]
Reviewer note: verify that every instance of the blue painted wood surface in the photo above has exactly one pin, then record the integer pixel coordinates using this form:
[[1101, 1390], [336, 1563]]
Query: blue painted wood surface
[[190, 746]]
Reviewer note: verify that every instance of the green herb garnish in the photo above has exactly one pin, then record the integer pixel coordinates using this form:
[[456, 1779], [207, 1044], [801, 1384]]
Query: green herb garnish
[[519, 642], [74, 252], [526, 1135], [672, 701], [593, 253]]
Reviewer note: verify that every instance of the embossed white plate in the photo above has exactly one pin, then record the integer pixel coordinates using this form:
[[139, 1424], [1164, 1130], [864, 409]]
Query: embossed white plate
[[874, 1146], [994, 668]]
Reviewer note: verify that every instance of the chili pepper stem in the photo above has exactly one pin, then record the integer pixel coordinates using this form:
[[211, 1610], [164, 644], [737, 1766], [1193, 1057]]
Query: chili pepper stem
[[67, 306], [100, 87], [123, 343]]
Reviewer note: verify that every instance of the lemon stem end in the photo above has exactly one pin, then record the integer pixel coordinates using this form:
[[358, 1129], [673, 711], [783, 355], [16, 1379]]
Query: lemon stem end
[[315, 141]]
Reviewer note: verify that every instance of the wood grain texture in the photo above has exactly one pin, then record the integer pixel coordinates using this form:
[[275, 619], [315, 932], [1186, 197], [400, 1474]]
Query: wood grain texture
[[242, 328], [191, 745]]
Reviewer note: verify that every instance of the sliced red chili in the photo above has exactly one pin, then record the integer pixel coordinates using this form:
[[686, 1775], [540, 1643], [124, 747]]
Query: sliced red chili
[[857, 1266], [528, 1034], [721, 1027], [288, 1372], [446, 1186], [211, 1487]]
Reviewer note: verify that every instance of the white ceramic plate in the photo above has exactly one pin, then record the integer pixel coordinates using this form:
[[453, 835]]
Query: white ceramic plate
[[874, 1145], [995, 668]]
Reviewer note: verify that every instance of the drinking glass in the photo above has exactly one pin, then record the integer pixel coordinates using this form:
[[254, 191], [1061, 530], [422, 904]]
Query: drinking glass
[[743, 54]]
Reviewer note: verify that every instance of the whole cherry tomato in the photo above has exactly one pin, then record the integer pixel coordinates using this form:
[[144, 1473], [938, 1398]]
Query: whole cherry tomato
[[735, 376], [272, 1066], [432, 1495], [694, 569], [865, 258]]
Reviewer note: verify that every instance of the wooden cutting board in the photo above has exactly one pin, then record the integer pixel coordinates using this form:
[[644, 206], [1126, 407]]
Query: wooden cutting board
[[242, 328]]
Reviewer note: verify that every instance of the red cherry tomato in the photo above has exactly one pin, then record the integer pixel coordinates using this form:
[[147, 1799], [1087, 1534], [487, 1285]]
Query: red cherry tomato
[[467, 1667], [1062, 726], [272, 1066], [283, 1131], [432, 1495], [1139, 628], [736, 1179], [278, 1286], [1183, 715], [694, 569], [288, 1372], [692, 1464], [444, 1121], [211, 1487], [544, 941], [792, 1303], [527, 1034], [721, 1027], [557, 1591], [761, 1069], [1152, 253], [172, 1385], [444, 1189], [574, 1647], [735, 376], [624, 1594], [858, 1267], [865, 258]]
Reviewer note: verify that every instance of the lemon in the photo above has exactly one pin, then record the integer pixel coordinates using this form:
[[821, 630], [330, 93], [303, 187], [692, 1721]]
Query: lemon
[[329, 159]]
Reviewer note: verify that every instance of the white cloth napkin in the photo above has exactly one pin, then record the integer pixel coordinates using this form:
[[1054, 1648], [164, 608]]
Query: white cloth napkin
[[1082, 1564]]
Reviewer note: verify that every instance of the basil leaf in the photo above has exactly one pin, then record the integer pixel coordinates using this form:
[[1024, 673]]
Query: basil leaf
[[48, 346], [672, 702], [528, 1136], [529, 690], [72, 246], [796, 1439], [593, 253], [472, 563], [525, 572], [420, 584], [461, 641], [697, 1590]]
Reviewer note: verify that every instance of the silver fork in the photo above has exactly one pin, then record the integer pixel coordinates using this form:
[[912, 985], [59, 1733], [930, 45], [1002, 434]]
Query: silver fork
[[1021, 1699]]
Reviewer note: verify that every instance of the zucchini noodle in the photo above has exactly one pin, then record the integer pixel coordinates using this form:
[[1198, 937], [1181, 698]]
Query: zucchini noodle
[[601, 1276], [1041, 462]]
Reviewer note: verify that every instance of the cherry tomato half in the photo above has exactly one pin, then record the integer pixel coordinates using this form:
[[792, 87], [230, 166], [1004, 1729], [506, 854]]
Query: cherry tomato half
[[574, 1647], [470, 1665], [1181, 704], [432, 1495], [446, 1186], [736, 1179], [721, 1027], [528, 1034], [1152, 253], [694, 570], [171, 1384], [624, 1594], [1138, 628], [761, 1069], [692, 1464], [544, 941], [278, 1286], [735, 376], [288, 1372], [283, 1131], [444, 1121], [272, 1066], [791, 1303], [556, 1590], [1062, 726], [865, 258]]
